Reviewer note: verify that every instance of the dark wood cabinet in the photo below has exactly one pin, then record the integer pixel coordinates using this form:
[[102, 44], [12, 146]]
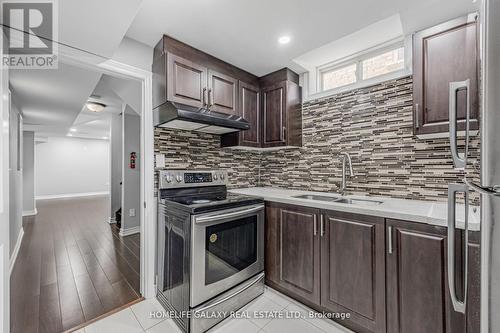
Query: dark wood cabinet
[[442, 54], [187, 75], [249, 99], [274, 115], [292, 259], [222, 93], [353, 269], [418, 297], [279, 113], [186, 81]]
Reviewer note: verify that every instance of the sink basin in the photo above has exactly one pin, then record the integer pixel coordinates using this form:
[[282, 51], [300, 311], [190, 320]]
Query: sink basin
[[316, 197], [362, 202], [348, 201]]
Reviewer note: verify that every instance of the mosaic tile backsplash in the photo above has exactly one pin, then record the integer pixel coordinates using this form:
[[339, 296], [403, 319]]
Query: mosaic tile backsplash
[[372, 124]]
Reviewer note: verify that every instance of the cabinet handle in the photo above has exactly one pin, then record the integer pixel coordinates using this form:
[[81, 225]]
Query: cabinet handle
[[315, 225], [321, 226], [210, 98], [389, 235], [417, 108], [459, 159], [204, 96]]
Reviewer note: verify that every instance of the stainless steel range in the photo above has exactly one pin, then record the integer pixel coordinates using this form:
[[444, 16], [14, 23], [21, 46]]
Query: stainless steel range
[[210, 248]]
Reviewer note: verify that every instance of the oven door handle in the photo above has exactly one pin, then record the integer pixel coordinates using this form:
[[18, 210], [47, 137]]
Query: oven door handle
[[224, 299], [210, 218]]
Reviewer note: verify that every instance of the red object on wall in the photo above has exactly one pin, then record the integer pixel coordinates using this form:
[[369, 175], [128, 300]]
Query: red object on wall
[[133, 156]]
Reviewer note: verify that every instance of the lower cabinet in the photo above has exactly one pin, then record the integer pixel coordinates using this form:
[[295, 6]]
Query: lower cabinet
[[293, 250], [353, 269], [418, 296], [389, 275]]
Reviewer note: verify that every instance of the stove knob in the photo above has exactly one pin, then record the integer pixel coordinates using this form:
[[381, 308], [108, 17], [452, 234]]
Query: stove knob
[[215, 176], [168, 178], [222, 176], [178, 178]]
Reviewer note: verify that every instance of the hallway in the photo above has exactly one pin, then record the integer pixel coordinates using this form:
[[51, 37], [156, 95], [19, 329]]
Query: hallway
[[72, 266]]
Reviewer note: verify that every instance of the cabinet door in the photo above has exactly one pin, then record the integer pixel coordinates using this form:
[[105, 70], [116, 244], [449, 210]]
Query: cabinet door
[[293, 250], [444, 54], [418, 298], [250, 111], [186, 81], [353, 268], [222, 93], [274, 115]]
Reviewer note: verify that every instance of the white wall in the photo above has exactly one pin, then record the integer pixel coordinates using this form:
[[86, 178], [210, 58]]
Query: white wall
[[15, 175], [116, 148], [134, 53], [131, 177], [71, 166], [29, 206]]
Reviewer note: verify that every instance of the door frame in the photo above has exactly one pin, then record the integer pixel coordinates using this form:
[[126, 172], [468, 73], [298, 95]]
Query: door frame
[[148, 207], [118, 69]]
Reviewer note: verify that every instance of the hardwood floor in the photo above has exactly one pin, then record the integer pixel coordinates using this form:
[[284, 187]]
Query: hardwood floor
[[72, 266]]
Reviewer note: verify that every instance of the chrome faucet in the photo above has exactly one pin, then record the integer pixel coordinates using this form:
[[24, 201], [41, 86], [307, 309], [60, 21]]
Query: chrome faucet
[[345, 157]]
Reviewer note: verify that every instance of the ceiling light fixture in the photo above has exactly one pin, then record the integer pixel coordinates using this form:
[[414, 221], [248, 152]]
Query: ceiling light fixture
[[105, 138], [95, 106], [69, 134], [72, 129], [284, 39]]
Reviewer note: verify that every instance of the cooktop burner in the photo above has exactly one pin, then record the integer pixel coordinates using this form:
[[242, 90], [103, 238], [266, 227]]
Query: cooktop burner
[[199, 191]]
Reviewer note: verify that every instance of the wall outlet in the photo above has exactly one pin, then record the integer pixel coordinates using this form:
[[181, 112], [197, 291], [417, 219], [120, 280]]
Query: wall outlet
[[131, 212]]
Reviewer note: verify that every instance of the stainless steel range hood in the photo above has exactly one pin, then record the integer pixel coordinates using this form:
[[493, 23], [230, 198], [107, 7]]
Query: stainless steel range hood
[[185, 117]]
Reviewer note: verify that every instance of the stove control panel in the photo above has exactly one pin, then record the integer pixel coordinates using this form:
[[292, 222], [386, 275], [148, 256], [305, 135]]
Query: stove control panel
[[191, 178]]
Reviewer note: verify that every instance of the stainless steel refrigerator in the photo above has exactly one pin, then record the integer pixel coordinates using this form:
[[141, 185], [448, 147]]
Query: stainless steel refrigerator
[[490, 172]]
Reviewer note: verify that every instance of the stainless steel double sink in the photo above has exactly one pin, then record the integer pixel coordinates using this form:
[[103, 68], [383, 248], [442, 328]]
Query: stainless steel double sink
[[344, 200]]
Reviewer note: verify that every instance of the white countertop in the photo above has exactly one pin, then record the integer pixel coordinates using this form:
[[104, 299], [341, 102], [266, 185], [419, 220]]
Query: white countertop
[[434, 213]]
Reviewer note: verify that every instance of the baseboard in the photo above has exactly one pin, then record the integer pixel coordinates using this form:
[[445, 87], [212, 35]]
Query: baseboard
[[13, 257], [30, 212], [111, 220], [129, 231], [70, 195]]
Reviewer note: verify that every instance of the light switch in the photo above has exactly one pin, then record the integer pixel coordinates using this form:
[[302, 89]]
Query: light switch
[[160, 160], [131, 212]]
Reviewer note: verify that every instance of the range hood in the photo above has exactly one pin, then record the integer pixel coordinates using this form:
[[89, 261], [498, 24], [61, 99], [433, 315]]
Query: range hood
[[185, 117]]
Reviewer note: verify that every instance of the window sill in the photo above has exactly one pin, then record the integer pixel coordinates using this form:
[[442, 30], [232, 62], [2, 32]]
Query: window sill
[[359, 85]]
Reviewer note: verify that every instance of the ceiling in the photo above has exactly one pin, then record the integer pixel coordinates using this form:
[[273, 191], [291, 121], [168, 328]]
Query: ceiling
[[245, 32], [50, 100], [53, 101], [95, 26]]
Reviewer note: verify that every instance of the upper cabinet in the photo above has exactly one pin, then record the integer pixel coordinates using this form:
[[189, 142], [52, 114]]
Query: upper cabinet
[[189, 76], [277, 117], [272, 104], [222, 93], [443, 54], [186, 81]]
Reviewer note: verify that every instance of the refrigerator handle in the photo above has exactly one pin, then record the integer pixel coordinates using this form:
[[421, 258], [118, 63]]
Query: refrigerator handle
[[453, 189], [459, 160]]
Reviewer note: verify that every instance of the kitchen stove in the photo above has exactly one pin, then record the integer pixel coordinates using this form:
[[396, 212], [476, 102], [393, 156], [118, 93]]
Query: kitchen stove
[[210, 247]]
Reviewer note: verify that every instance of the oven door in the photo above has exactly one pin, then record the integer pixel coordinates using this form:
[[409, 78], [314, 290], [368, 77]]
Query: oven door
[[227, 249]]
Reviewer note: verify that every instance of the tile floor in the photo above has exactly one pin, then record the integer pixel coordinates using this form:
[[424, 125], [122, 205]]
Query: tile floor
[[136, 319]]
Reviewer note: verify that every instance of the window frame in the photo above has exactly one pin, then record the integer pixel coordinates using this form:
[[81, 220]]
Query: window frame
[[358, 60]]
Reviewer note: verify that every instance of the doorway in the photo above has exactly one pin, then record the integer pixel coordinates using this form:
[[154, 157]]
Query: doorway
[[79, 253]]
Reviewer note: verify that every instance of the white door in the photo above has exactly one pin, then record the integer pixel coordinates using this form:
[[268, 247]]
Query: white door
[[4, 195]]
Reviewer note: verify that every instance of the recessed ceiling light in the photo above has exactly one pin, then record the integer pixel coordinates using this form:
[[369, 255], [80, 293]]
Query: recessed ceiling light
[[95, 107], [284, 39], [72, 129], [69, 134], [105, 138]]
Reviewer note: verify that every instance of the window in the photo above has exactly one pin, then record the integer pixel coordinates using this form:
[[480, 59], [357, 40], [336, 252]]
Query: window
[[384, 63], [362, 68], [339, 77]]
